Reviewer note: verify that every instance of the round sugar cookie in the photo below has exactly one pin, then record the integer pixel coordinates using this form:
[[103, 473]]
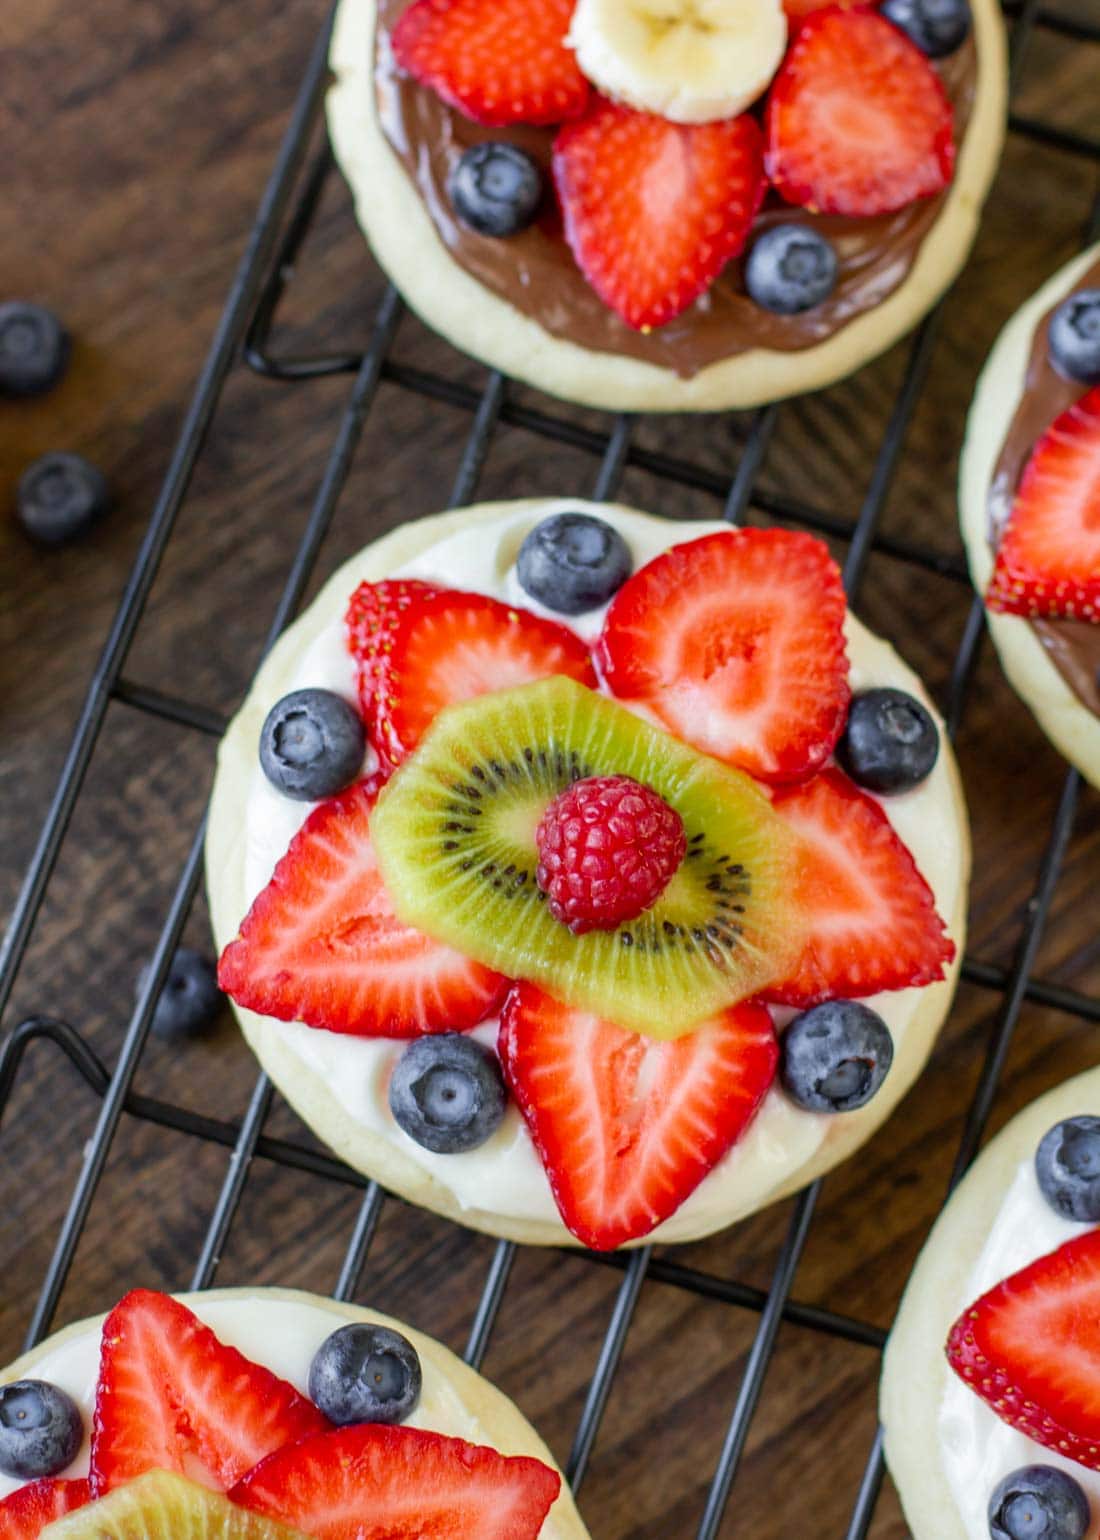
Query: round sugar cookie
[[282, 1330], [338, 1084], [995, 1223], [1060, 712], [484, 323]]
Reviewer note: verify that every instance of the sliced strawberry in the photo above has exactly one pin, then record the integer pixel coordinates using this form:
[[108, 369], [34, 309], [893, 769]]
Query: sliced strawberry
[[430, 648], [497, 61], [1031, 1349], [322, 945], [653, 209], [872, 917], [27, 1510], [858, 121], [172, 1397], [627, 1126], [735, 642], [1048, 559], [372, 1482]]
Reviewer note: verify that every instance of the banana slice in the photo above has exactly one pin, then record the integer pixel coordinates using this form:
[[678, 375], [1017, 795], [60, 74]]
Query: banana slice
[[693, 61]]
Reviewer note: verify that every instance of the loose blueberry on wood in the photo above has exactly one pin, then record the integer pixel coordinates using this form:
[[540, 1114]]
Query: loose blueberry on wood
[[937, 27], [573, 562], [312, 745], [1067, 1164], [365, 1373], [1074, 337], [790, 268], [41, 1429], [60, 497], [1038, 1502], [835, 1056], [496, 189], [34, 349], [189, 997], [447, 1093], [890, 742]]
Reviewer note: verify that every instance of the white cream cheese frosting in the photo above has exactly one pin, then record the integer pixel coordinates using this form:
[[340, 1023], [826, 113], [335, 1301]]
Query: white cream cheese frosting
[[977, 1449], [504, 1176], [282, 1330]]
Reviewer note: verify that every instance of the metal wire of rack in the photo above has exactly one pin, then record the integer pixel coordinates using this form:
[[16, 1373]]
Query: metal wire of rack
[[247, 327]]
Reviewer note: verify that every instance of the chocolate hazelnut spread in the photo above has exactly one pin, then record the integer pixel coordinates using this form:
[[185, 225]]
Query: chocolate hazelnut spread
[[534, 271], [1072, 645]]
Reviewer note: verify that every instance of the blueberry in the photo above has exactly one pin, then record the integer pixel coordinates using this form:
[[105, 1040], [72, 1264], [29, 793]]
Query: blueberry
[[60, 497], [365, 1374], [496, 189], [1067, 1164], [937, 27], [1038, 1503], [34, 349], [572, 562], [890, 742], [312, 745], [1074, 337], [790, 268], [447, 1093], [40, 1429], [189, 998], [835, 1056]]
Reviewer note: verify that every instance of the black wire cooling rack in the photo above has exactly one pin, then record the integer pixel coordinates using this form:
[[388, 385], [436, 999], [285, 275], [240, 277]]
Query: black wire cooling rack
[[284, 218]]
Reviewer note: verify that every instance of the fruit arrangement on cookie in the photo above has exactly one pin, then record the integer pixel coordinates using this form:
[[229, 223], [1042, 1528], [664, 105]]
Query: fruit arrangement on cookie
[[1030, 1348], [637, 858], [1047, 562], [191, 1440], [675, 120]]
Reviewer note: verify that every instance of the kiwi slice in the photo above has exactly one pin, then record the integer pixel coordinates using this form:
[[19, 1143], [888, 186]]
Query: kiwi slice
[[454, 831], [161, 1505]]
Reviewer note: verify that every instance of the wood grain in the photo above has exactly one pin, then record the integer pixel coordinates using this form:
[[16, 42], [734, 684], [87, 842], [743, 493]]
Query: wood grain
[[137, 138]]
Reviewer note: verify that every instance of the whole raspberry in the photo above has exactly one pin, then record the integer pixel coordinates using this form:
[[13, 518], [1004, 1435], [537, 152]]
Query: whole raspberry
[[608, 848]]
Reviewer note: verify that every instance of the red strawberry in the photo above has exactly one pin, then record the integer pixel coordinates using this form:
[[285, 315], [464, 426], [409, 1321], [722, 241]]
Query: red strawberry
[[172, 1397], [798, 10], [1031, 1349], [872, 917], [858, 121], [497, 61], [735, 643], [322, 945], [432, 647], [372, 1482], [626, 1126], [1048, 560], [27, 1511], [653, 209]]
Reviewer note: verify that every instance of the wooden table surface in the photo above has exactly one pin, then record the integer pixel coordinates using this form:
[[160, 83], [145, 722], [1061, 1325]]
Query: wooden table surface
[[136, 140]]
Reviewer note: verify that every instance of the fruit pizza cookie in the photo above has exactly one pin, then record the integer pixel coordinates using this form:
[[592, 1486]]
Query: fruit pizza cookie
[[991, 1384], [261, 1414], [1029, 499], [588, 876], [669, 205]]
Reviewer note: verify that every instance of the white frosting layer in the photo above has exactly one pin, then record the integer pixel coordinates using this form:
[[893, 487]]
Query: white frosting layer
[[977, 1448], [504, 1176], [280, 1333]]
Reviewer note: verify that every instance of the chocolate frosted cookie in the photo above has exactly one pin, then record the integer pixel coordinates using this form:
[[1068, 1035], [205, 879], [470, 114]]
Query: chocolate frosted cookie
[[650, 214], [1029, 505]]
